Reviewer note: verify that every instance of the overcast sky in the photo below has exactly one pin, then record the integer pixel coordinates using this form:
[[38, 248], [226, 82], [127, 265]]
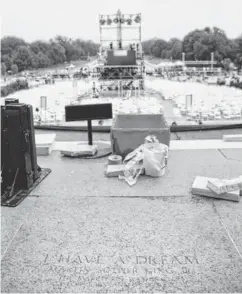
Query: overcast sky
[[44, 19]]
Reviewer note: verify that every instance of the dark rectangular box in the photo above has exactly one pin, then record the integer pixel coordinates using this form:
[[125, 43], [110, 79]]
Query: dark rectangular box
[[126, 58], [88, 112], [129, 131], [11, 100], [18, 146]]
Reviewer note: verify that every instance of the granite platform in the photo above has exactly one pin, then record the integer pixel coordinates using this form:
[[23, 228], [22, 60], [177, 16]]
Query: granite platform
[[80, 232]]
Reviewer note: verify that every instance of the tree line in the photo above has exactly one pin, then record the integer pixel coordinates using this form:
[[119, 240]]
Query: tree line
[[18, 55], [198, 45]]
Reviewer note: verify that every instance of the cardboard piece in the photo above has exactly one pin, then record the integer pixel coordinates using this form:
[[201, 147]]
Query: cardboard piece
[[223, 186], [44, 144], [44, 150], [129, 131], [200, 188], [79, 150], [45, 139]]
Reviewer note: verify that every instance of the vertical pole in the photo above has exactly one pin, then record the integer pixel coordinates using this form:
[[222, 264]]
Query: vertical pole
[[183, 60], [100, 31], [55, 110], [119, 28], [45, 108], [89, 127], [121, 87], [41, 115], [212, 59], [140, 34]]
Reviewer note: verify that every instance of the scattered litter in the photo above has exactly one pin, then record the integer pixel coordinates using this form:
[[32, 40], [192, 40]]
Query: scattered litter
[[151, 139], [155, 159], [225, 185], [79, 150], [150, 157], [200, 187], [133, 167], [114, 159]]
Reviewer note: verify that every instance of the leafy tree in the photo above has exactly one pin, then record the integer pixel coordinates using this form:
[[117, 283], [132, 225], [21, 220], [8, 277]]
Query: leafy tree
[[43, 54], [188, 43], [146, 47], [198, 45], [157, 46], [14, 69], [238, 59], [43, 60], [3, 68], [65, 43], [174, 47], [57, 53], [7, 60], [10, 44], [200, 51], [34, 61], [23, 58]]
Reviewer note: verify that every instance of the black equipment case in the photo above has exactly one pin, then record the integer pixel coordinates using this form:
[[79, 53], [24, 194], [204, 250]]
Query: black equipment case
[[11, 100], [18, 155]]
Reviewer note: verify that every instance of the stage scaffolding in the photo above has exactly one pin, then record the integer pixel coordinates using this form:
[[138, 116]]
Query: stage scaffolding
[[120, 69]]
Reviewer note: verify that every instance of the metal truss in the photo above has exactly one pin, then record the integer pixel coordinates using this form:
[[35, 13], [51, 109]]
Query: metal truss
[[121, 73]]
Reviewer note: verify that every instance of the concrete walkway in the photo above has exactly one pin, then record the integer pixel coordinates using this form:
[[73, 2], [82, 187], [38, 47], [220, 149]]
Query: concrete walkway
[[82, 232], [195, 135], [174, 145]]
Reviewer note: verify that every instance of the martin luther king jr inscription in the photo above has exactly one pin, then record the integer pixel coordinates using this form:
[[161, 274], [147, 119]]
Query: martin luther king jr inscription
[[78, 266]]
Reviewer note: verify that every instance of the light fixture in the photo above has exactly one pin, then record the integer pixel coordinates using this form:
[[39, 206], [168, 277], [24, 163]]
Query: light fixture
[[129, 20], [122, 20], [109, 21], [102, 21], [137, 18], [116, 20]]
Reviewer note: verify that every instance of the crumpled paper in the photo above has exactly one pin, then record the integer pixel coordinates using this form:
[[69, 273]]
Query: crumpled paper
[[151, 139]]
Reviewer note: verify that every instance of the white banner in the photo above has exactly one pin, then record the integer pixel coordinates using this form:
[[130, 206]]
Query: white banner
[[188, 102], [120, 53], [43, 102]]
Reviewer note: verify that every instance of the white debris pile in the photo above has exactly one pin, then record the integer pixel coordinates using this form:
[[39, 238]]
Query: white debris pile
[[226, 189], [150, 157], [225, 185]]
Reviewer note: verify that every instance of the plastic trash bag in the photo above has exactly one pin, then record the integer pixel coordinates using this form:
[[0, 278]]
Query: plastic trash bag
[[155, 159], [151, 139], [150, 157], [134, 166]]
